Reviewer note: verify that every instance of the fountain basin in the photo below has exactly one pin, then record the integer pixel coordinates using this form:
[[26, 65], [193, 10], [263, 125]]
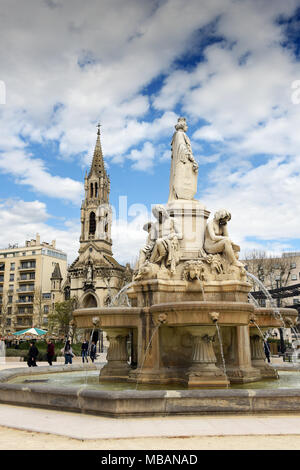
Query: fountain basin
[[142, 403], [266, 318], [177, 313]]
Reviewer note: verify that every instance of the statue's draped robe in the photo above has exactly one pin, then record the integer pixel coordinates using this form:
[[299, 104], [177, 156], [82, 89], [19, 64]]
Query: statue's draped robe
[[183, 178]]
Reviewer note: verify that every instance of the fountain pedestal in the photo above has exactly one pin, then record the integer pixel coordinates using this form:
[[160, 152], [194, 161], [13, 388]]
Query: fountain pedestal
[[190, 217], [203, 371], [258, 356], [117, 367], [238, 358]]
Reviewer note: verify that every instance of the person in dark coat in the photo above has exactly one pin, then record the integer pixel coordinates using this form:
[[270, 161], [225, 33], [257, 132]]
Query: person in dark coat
[[68, 353], [84, 351], [50, 352], [93, 351], [32, 355]]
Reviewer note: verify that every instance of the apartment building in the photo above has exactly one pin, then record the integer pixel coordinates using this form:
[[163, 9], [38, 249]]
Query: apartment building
[[25, 283], [277, 272]]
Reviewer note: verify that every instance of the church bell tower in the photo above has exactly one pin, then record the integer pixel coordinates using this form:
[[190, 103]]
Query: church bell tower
[[96, 216], [95, 276]]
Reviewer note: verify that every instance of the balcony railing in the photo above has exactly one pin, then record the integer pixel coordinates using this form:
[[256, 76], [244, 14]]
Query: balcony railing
[[28, 289], [22, 268]]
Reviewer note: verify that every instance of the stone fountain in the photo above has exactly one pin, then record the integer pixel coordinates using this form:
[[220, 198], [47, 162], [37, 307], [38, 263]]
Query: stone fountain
[[188, 285]]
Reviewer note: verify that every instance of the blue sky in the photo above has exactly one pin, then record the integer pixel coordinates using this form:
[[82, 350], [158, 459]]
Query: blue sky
[[231, 67]]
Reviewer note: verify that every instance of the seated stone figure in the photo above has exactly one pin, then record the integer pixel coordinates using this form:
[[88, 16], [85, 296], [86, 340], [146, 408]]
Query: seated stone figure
[[162, 246], [216, 238], [146, 251]]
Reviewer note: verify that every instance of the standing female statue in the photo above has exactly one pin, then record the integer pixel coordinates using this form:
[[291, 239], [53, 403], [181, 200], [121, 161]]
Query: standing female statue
[[184, 168]]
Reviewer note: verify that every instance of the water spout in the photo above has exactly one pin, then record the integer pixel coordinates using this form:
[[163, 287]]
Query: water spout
[[146, 352], [202, 287], [221, 348], [113, 302], [276, 311]]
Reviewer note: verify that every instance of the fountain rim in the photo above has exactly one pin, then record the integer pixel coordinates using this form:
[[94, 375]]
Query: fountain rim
[[139, 403], [184, 305]]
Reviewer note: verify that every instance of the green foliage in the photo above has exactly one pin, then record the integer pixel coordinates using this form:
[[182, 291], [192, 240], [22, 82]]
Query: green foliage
[[10, 352], [23, 348], [62, 316]]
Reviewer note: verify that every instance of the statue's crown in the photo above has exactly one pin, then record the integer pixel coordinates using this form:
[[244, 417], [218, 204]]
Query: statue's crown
[[180, 123]]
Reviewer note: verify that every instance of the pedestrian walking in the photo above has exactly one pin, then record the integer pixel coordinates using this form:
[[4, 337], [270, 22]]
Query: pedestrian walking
[[32, 355], [68, 353], [93, 351], [50, 352], [84, 351]]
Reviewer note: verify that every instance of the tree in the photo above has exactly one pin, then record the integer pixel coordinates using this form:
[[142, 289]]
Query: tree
[[272, 271], [4, 312], [60, 319], [37, 319]]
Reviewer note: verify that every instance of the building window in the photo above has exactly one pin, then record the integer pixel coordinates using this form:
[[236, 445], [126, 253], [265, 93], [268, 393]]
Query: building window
[[10, 299], [11, 277], [293, 265], [92, 229], [46, 309], [67, 293], [47, 295], [294, 277], [12, 266], [295, 301]]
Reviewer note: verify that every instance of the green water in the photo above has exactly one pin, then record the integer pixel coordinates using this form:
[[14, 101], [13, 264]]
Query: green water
[[90, 379]]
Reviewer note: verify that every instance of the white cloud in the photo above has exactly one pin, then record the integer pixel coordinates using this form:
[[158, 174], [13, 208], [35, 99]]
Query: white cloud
[[243, 88], [264, 201], [29, 218], [33, 172], [67, 67]]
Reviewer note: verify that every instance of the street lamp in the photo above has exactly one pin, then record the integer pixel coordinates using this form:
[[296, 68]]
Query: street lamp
[[282, 344]]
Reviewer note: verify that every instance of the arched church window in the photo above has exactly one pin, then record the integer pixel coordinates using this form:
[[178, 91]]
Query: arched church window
[[91, 190], [92, 229], [67, 293], [96, 190]]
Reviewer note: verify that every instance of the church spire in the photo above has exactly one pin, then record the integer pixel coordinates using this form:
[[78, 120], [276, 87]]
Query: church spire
[[98, 167]]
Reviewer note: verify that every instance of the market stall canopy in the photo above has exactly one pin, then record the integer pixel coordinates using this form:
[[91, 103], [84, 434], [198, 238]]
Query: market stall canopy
[[30, 333]]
